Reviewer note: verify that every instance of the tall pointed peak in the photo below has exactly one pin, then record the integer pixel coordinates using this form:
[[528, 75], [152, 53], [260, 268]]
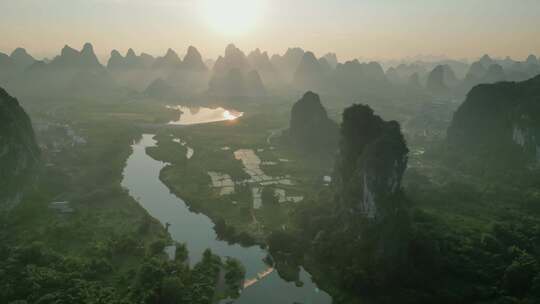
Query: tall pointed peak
[[131, 53], [116, 60], [21, 58], [88, 55], [233, 51], [193, 59], [169, 61], [310, 104], [332, 59], [88, 48], [171, 53], [18, 52], [310, 95], [309, 56], [192, 52], [257, 54], [486, 61], [532, 59], [67, 50], [116, 54], [309, 125], [323, 61], [230, 49], [485, 57]]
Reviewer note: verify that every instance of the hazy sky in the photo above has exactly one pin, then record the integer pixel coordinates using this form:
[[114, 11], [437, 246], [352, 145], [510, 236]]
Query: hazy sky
[[351, 28]]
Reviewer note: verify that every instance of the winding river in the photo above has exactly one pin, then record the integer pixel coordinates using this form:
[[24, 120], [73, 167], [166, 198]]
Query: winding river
[[141, 178]]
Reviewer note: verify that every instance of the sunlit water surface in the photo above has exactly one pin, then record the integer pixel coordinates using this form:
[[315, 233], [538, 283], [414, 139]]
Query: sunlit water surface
[[141, 178], [201, 115]]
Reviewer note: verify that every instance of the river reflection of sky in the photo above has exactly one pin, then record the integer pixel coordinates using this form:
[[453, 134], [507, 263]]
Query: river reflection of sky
[[141, 179], [200, 115]]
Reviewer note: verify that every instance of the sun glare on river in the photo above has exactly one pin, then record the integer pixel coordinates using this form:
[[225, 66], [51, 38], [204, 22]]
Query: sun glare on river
[[229, 116]]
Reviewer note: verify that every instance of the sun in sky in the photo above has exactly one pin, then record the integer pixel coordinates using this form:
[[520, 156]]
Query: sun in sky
[[232, 17]]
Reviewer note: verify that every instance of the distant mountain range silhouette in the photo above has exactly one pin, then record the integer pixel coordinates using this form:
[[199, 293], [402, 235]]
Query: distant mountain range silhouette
[[75, 73]]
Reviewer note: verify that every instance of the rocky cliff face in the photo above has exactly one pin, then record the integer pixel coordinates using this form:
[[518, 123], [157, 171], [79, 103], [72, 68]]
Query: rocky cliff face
[[371, 163], [18, 149], [310, 126], [503, 118], [366, 224]]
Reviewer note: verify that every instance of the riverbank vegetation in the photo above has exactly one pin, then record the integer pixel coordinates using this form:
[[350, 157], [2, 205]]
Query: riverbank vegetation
[[79, 237], [472, 235], [214, 146]]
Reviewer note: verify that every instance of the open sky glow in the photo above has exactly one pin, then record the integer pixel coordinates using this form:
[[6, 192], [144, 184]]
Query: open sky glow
[[389, 29]]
